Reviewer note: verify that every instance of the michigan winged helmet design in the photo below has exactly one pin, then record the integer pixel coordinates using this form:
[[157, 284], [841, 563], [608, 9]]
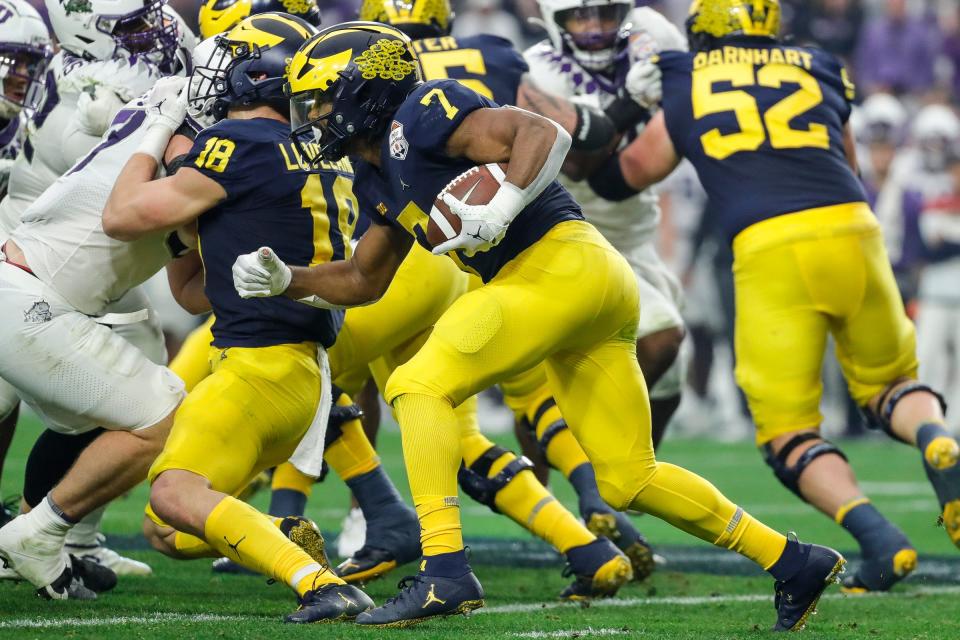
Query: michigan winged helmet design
[[416, 18], [710, 20], [348, 81], [248, 63], [219, 16]]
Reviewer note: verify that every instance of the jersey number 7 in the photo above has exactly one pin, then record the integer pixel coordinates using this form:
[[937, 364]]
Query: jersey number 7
[[707, 101]]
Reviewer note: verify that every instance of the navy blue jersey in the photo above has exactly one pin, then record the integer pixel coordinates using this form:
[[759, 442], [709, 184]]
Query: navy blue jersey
[[487, 64], [763, 126], [415, 168], [271, 201]]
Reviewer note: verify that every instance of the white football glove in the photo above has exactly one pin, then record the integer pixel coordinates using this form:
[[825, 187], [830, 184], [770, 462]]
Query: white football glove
[[483, 226], [95, 111], [166, 107], [644, 84], [260, 274]]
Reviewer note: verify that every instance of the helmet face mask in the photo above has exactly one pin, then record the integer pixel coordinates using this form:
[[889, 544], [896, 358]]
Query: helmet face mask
[[24, 54], [594, 32], [208, 81], [346, 83]]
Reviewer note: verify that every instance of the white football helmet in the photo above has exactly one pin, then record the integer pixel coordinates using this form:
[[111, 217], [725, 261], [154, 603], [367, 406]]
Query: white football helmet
[[207, 81], [601, 32], [935, 131], [181, 63], [881, 118], [24, 53], [105, 29]]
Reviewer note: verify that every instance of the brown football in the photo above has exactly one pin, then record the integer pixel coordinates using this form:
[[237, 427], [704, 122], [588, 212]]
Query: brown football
[[477, 184]]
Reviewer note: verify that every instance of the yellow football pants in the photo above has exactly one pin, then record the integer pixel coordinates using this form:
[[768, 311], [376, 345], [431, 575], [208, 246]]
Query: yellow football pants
[[248, 415], [798, 278], [192, 362]]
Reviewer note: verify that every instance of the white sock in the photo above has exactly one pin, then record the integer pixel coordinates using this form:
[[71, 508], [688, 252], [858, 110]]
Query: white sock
[[46, 519]]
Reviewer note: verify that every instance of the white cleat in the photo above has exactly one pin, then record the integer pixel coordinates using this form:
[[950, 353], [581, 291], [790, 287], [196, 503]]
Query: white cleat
[[34, 554], [107, 557], [8, 574], [353, 534]]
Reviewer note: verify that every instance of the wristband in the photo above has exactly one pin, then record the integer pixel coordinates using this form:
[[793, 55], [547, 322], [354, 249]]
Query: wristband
[[155, 141]]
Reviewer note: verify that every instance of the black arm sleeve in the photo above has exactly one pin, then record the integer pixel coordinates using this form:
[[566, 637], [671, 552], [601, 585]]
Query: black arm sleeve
[[594, 130], [608, 181]]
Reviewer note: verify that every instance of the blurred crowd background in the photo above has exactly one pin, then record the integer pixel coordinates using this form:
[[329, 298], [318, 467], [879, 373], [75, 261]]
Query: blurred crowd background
[[904, 56]]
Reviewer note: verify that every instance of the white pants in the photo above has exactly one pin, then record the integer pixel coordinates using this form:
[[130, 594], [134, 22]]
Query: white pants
[[75, 373], [938, 349], [661, 297]]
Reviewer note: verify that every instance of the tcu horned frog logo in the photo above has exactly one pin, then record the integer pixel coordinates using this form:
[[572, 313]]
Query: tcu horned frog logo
[[398, 144], [39, 312]]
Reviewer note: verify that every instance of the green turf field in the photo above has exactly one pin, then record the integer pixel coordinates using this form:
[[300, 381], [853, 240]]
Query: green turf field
[[700, 594]]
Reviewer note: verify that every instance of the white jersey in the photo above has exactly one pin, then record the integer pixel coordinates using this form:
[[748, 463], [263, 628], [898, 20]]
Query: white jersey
[[61, 234], [632, 222], [78, 95]]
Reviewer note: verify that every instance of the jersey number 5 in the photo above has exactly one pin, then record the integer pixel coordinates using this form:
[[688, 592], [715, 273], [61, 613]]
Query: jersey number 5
[[707, 101]]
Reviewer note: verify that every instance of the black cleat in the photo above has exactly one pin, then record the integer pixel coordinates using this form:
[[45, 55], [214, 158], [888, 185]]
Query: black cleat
[[796, 599], [330, 603], [93, 575], [305, 534], [880, 574], [226, 565], [369, 563], [8, 509], [618, 528], [67, 587], [423, 597], [600, 570]]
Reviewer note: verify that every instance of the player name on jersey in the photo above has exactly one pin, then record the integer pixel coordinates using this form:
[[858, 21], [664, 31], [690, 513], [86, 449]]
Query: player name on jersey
[[739, 55]]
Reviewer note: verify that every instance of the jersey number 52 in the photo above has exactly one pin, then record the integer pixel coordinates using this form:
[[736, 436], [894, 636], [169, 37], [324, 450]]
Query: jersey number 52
[[777, 118]]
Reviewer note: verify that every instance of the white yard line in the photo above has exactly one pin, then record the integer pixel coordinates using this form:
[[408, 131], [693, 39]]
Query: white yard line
[[166, 618], [570, 633]]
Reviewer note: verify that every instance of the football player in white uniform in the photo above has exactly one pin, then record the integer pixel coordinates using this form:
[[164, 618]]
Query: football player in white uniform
[[24, 54], [591, 46], [111, 51], [59, 275]]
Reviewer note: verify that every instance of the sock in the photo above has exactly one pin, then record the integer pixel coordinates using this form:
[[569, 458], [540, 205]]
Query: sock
[[240, 532], [446, 565], [940, 453], [431, 452], [790, 561], [290, 491], [528, 503], [192, 547], [692, 504], [389, 519], [84, 534], [563, 452], [584, 482], [49, 518], [876, 535], [351, 454]]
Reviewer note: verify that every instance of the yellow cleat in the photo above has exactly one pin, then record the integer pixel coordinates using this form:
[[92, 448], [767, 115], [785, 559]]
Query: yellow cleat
[[951, 520]]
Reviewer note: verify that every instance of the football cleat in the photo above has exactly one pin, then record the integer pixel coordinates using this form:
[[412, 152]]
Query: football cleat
[[103, 555], [67, 587], [367, 564], [599, 569], [353, 534], [617, 528], [882, 574], [8, 509], [330, 603], [950, 519], [37, 556], [92, 574], [423, 597], [306, 535], [796, 599]]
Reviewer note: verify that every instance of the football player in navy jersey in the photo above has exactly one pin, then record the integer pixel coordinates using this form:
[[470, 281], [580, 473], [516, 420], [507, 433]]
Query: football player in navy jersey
[[765, 126], [358, 86], [244, 183]]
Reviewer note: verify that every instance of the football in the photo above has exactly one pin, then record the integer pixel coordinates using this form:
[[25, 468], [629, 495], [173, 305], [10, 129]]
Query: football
[[476, 185]]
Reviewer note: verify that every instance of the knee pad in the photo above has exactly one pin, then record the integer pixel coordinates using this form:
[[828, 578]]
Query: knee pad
[[790, 476], [889, 398], [552, 430], [475, 480]]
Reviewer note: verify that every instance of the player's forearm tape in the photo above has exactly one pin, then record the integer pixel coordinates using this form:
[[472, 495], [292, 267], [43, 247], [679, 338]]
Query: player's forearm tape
[[550, 169], [319, 303], [155, 141], [593, 130], [174, 165], [625, 114], [608, 181]]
